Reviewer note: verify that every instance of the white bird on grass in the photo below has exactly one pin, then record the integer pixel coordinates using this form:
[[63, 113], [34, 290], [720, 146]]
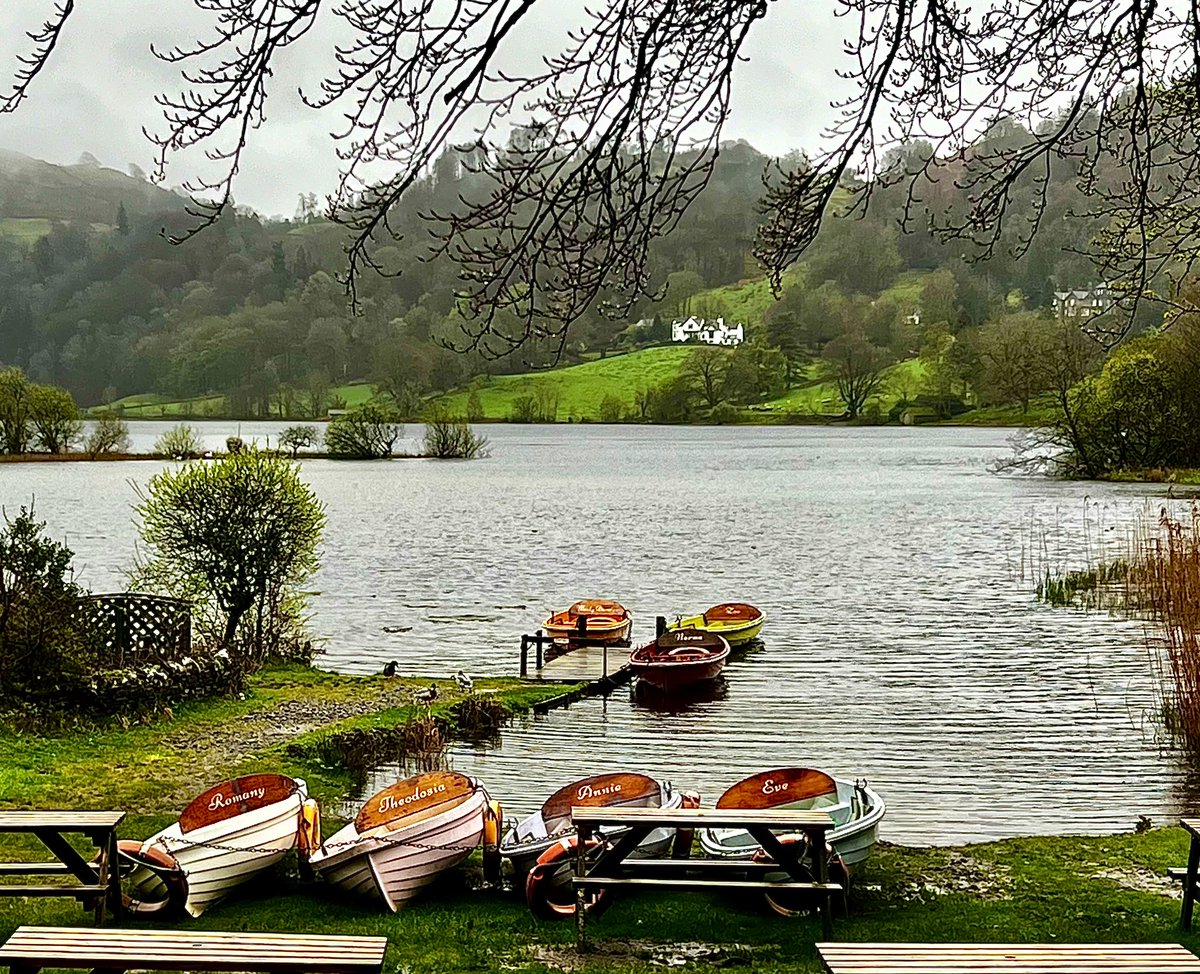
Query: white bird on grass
[[464, 681], [426, 696]]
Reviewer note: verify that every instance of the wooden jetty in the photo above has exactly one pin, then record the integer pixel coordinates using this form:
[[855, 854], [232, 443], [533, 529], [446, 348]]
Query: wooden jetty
[[602, 666]]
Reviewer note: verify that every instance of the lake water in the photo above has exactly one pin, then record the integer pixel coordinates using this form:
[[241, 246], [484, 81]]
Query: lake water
[[904, 642]]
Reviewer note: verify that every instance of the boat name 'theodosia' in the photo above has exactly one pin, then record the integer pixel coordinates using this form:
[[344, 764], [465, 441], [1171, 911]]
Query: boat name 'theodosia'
[[769, 787], [390, 801], [587, 791], [220, 801]]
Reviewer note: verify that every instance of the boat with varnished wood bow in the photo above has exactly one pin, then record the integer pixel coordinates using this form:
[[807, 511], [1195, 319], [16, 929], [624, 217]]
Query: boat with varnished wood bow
[[407, 834], [591, 620], [737, 622], [224, 837], [541, 847], [680, 657], [856, 811]]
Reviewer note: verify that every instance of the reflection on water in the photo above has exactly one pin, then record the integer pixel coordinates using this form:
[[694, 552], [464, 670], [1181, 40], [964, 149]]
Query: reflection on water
[[684, 700], [903, 645]]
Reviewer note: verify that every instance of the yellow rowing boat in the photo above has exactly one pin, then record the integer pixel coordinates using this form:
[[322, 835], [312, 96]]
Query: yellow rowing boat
[[738, 622]]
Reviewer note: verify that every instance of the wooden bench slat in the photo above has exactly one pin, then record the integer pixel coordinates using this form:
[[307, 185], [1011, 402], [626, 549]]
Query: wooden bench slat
[[707, 817], [925, 958], [701, 884], [67, 821], [6, 890], [33, 868]]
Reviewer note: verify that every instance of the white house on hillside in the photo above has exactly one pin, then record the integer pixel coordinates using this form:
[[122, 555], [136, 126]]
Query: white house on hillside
[[1083, 302], [708, 332]]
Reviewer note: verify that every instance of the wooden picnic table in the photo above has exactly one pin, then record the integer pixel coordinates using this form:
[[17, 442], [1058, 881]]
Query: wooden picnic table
[[900, 958], [1190, 879], [99, 883], [30, 949], [612, 867]]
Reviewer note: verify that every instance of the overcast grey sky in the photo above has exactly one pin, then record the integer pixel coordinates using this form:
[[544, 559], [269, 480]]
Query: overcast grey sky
[[99, 90]]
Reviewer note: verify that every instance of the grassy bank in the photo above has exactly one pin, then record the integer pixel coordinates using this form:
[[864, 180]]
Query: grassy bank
[[1045, 889]]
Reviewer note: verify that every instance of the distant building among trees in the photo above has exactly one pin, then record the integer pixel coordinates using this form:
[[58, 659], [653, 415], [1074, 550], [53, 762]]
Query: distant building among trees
[[1084, 302], [707, 332]]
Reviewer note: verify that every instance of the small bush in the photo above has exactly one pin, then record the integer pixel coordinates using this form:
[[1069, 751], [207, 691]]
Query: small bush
[[367, 432], [110, 434], [524, 410], [447, 438], [182, 442], [55, 418], [722, 414], [297, 438], [612, 409], [474, 407]]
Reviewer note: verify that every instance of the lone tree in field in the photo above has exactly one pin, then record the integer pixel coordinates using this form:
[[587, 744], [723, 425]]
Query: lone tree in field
[[617, 131], [240, 533]]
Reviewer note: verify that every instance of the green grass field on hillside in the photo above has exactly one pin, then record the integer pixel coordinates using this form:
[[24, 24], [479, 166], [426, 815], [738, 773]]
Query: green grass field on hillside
[[580, 387], [27, 230]]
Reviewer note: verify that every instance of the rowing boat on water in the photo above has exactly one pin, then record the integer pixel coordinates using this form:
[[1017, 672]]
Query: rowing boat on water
[[224, 837], [593, 620], [407, 834], [737, 622], [679, 658]]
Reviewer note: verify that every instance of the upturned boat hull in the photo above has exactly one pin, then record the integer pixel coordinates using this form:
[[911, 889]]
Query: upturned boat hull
[[392, 861], [218, 856]]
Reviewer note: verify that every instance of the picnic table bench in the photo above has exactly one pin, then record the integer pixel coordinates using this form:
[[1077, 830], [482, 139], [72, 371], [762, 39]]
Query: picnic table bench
[[612, 867], [1191, 882], [99, 884], [899, 958], [30, 949]]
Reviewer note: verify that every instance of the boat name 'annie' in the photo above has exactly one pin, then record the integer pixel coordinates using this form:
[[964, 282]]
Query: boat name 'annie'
[[389, 801], [220, 801], [587, 791], [769, 787]]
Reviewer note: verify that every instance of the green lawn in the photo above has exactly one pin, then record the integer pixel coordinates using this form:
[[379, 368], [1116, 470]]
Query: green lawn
[[580, 387], [27, 230]]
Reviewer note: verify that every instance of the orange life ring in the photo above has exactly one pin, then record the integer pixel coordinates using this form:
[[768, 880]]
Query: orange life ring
[[493, 819], [546, 897], [789, 903], [163, 865]]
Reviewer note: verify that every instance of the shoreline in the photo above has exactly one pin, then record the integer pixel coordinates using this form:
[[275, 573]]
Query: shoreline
[[1092, 889]]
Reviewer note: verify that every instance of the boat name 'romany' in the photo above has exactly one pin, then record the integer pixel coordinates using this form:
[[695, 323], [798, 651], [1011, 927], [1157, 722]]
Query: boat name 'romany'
[[587, 791], [220, 801], [391, 801], [769, 787]]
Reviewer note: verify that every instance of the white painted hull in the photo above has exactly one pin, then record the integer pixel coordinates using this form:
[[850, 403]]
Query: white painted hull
[[855, 833], [392, 866], [219, 857], [527, 840]]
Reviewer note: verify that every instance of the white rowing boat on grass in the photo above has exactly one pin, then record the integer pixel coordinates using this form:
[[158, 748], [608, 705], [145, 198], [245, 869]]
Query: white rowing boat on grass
[[407, 834], [225, 837]]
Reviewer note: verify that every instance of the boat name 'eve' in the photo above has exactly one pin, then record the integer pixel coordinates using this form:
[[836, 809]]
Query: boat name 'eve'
[[220, 801], [769, 787], [587, 791], [389, 802]]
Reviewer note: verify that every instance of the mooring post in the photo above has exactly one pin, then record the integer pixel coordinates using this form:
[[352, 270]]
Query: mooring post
[[604, 673], [660, 625], [539, 649], [524, 656]]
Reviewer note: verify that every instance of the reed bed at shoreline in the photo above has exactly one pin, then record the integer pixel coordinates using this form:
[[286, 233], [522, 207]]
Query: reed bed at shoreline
[[1167, 579]]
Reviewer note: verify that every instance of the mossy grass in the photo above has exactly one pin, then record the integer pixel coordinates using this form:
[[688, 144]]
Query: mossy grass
[[1053, 889]]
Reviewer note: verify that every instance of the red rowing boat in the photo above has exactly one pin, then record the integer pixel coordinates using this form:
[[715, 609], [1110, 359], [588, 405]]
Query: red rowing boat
[[680, 658]]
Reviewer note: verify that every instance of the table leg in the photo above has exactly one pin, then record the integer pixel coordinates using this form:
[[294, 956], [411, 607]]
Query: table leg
[[583, 836], [821, 862], [113, 859], [1189, 886]]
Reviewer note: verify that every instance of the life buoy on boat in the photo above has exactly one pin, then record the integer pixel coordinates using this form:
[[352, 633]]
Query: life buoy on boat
[[163, 865], [493, 820], [681, 848], [791, 903], [547, 895]]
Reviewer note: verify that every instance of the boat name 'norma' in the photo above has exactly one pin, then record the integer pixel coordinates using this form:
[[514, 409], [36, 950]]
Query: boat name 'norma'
[[769, 787], [390, 801], [587, 791], [220, 801]]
